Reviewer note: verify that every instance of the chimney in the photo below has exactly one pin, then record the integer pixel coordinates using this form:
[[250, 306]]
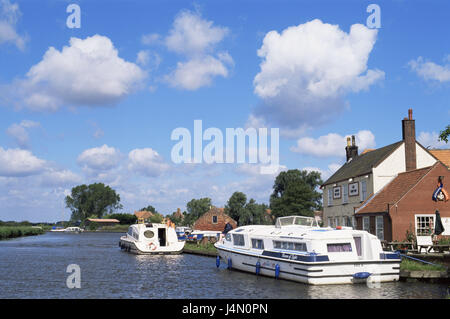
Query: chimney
[[351, 150], [409, 137]]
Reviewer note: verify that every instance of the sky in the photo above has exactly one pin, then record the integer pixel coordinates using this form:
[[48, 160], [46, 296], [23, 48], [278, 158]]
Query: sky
[[94, 94]]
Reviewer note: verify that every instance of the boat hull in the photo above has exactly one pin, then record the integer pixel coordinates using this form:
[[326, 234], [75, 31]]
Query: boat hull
[[132, 247], [314, 273]]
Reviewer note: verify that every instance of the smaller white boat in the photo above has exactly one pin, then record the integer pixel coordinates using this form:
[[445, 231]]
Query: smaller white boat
[[151, 238], [73, 230], [57, 229]]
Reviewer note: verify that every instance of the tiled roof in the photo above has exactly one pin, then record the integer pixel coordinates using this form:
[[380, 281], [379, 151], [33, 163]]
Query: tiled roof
[[442, 155], [362, 164], [392, 192], [143, 214]]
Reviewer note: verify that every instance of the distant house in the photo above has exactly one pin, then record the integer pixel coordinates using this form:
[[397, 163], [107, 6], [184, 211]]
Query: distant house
[[215, 219], [367, 173], [143, 215], [407, 203], [101, 222]]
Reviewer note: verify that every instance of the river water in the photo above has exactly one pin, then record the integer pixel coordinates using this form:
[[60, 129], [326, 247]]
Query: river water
[[36, 267]]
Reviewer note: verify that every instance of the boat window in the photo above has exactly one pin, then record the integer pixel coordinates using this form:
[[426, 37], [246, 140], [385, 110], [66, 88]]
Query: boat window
[[238, 240], [257, 243], [130, 231], [228, 237], [289, 245], [335, 248], [149, 234]]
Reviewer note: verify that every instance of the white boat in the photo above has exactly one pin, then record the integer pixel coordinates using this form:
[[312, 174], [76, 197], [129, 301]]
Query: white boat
[[151, 239], [57, 229], [73, 230], [297, 249]]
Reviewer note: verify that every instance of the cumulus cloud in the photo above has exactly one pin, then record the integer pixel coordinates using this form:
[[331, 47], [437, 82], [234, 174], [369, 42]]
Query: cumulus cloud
[[196, 39], [19, 132], [148, 59], [99, 158], [151, 38], [431, 71], [64, 177], [332, 145], [307, 70], [147, 161], [9, 15], [88, 72], [431, 140], [19, 163]]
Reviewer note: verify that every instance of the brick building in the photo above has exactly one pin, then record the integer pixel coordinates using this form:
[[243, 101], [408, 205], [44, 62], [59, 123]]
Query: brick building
[[407, 204], [215, 219]]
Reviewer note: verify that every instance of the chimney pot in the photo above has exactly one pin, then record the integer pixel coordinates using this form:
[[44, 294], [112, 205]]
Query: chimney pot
[[348, 141]]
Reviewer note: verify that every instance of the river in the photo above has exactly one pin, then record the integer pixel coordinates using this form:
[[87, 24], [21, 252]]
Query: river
[[36, 267]]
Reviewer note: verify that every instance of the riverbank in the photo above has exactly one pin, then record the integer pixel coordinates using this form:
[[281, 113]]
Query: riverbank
[[7, 232], [207, 249]]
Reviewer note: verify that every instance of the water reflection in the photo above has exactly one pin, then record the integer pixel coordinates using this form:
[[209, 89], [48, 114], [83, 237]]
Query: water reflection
[[35, 267]]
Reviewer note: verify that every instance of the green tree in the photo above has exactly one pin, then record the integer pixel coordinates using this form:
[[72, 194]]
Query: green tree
[[149, 208], [92, 200], [235, 208], [196, 208], [257, 213], [124, 219], [445, 134], [295, 193]]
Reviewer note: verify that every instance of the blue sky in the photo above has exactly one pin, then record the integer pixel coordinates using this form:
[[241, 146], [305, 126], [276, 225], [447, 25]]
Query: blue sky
[[102, 106]]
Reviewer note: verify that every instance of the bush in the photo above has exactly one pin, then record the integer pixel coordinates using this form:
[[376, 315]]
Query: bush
[[17, 231]]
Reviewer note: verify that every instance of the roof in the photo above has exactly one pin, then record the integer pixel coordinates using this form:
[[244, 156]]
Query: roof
[[442, 155], [143, 214], [393, 191], [362, 164], [103, 220]]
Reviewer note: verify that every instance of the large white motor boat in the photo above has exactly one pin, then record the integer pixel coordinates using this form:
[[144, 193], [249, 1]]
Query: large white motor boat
[[151, 238], [297, 249]]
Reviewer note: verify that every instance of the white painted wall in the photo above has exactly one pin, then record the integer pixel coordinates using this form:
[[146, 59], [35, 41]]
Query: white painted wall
[[389, 168], [423, 158]]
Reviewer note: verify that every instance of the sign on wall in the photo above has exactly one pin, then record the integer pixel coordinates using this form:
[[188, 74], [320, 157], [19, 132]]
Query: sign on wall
[[337, 192], [353, 189]]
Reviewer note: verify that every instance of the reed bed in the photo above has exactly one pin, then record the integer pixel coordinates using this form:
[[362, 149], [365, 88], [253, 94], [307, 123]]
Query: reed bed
[[7, 232]]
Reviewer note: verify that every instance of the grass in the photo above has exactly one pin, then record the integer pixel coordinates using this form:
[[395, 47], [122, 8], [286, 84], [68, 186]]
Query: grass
[[201, 248], [7, 232], [112, 229], [411, 265]]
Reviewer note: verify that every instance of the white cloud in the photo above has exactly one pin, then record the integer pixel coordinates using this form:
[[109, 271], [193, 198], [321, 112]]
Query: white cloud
[[147, 161], [148, 59], [431, 140], [196, 39], [87, 72], [430, 70], [19, 132], [18, 163], [151, 38], [9, 15], [99, 158], [192, 35], [308, 69], [63, 177], [332, 145]]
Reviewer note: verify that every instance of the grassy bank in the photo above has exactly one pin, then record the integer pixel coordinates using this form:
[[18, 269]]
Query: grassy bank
[[201, 249], [19, 231], [411, 265]]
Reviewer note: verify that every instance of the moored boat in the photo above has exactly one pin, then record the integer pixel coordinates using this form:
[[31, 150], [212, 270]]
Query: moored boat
[[151, 238], [297, 249]]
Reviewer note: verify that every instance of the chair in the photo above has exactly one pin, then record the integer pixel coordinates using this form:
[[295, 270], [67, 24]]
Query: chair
[[424, 242]]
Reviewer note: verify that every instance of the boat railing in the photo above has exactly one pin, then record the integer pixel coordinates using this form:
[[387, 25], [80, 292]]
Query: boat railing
[[297, 221]]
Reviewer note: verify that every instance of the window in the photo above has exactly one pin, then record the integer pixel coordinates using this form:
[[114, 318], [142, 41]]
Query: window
[[337, 248], [289, 245], [424, 225], [366, 224], [214, 219], [228, 237], [363, 190], [149, 234], [257, 243], [330, 222], [336, 221], [379, 225], [238, 240], [353, 222], [345, 194], [330, 197]]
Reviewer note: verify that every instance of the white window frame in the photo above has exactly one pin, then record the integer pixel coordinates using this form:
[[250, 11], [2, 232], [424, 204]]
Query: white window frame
[[345, 194], [377, 229], [330, 197], [336, 221], [432, 216], [368, 224], [363, 190], [353, 222]]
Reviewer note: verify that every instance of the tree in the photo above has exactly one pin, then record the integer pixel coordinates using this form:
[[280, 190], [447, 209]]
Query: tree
[[92, 200], [235, 208], [445, 134], [257, 213], [196, 208], [124, 219], [295, 193], [149, 208]]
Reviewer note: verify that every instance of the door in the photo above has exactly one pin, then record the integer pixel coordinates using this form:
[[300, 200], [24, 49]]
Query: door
[[162, 236]]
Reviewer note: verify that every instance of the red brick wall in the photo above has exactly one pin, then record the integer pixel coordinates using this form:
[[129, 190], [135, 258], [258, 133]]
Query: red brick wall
[[418, 201], [205, 222]]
